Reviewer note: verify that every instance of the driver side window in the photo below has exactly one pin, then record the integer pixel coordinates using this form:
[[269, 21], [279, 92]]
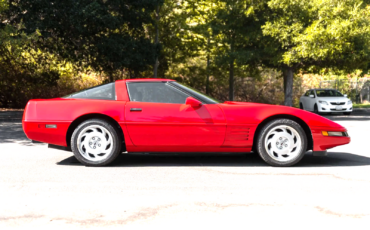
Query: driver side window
[[157, 92], [312, 93]]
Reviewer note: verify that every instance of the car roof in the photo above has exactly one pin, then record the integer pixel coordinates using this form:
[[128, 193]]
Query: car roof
[[323, 89], [145, 79]]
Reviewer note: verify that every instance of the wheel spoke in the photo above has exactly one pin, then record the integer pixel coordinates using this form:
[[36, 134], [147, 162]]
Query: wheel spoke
[[94, 130], [269, 142], [103, 134], [294, 145], [273, 133], [85, 143]]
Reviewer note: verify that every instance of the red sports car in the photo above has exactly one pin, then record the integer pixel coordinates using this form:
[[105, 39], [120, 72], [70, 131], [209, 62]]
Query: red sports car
[[162, 115]]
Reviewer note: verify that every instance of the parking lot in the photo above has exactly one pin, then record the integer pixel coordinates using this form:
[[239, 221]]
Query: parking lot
[[49, 189]]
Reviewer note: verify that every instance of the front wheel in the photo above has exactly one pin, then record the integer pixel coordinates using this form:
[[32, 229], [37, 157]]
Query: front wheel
[[282, 142], [316, 109], [96, 142]]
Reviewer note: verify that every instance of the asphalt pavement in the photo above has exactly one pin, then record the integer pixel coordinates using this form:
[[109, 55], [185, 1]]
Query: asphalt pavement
[[43, 188]]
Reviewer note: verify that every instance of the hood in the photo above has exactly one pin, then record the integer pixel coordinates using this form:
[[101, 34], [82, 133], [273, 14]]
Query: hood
[[255, 113], [333, 99]]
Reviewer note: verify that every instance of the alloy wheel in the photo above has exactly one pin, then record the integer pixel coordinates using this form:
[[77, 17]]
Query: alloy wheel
[[283, 143], [95, 143]]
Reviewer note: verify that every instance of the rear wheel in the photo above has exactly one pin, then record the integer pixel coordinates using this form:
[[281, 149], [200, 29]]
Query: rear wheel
[[300, 105], [96, 142], [282, 142]]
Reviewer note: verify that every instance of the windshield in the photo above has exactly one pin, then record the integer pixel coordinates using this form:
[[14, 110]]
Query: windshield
[[328, 93], [194, 93]]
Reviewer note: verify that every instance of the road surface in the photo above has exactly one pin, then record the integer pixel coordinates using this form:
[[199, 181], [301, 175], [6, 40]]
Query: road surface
[[43, 188]]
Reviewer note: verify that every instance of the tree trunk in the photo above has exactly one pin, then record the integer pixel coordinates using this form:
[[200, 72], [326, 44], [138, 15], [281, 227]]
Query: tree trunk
[[156, 64], [110, 75], [207, 82], [288, 86], [231, 81]]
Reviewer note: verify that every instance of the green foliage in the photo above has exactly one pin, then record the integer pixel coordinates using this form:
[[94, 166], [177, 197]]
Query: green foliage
[[320, 33], [105, 35], [3, 5], [25, 72], [362, 106], [240, 46], [174, 38], [20, 74], [229, 34]]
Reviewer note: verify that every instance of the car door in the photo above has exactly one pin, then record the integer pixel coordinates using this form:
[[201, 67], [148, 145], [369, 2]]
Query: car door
[[311, 100], [157, 115], [303, 99]]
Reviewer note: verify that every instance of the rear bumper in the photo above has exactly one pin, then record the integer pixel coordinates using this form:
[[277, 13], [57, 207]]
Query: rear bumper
[[38, 132]]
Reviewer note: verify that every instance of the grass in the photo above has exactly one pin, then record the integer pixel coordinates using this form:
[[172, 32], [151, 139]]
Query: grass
[[361, 106]]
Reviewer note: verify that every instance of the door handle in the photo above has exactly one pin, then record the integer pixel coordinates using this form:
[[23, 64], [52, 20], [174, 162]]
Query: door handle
[[135, 109]]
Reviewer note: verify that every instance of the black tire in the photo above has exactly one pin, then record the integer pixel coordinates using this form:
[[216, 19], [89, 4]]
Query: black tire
[[316, 109], [301, 106], [116, 142], [263, 135], [347, 113]]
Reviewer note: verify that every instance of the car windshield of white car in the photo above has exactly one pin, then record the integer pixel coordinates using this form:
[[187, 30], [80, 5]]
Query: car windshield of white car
[[328, 93]]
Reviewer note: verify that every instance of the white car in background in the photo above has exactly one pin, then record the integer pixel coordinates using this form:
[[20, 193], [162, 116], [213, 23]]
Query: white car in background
[[325, 101]]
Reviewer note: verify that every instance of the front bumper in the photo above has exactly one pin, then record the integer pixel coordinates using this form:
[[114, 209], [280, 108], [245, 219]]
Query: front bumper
[[322, 143], [335, 108]]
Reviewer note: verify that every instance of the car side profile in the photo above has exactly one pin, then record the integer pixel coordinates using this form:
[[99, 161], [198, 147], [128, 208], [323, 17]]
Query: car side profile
[[322, 101], [162, 115]]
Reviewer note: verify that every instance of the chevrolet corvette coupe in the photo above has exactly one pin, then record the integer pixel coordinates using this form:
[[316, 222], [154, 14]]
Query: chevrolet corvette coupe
[[162, 115]]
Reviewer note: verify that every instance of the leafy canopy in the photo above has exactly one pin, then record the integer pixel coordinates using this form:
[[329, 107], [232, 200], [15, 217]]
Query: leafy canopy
[[321, 33], [106, 35]]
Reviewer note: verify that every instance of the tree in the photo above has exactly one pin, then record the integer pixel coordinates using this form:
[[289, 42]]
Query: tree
[[199, 15], [24, 71], [168, 32], [238, 26], [106, 35], [309, 35]]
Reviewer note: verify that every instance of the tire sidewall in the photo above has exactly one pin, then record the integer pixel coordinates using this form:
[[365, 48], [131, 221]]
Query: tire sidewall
[[116, 142], [262, 137]]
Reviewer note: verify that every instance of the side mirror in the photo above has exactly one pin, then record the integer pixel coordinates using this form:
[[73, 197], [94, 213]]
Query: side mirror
[[345, 95], [193, 102], [312, 96]]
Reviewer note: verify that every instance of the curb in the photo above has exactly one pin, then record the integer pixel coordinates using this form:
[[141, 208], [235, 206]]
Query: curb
[[362, 110], [11, 116], [11, 120]]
